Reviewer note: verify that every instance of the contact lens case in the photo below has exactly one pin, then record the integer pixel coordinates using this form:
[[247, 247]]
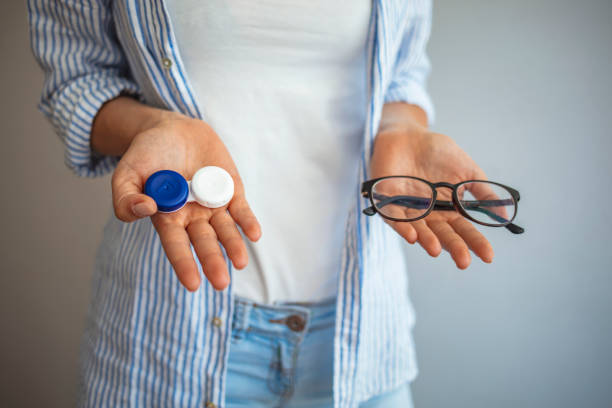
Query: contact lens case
[[210, 186]]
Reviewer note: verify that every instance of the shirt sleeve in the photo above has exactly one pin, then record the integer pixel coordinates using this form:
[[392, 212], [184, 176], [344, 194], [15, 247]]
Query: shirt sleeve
[[412, 66], [76, 46]]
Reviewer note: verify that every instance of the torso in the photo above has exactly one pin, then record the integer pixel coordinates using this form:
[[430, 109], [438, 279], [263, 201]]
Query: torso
[[283, 84]]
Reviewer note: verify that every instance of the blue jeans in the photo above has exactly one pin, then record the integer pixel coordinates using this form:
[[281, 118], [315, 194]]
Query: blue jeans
[[281, 355]]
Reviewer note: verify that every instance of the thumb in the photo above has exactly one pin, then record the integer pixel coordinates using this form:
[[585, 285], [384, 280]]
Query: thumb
[[128, 201]]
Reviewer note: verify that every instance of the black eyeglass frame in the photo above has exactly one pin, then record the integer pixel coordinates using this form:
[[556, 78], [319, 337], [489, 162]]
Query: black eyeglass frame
[[441, 205]]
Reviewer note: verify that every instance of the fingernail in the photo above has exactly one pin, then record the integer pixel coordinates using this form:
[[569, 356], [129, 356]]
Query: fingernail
[[140, 210]]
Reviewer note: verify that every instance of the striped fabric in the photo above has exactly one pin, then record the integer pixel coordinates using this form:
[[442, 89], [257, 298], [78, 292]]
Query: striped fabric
[[148, 341]]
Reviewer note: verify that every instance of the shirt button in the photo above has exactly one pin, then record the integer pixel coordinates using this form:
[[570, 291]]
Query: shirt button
[[295, 323], [216, 321], [167, 62], [211, 405]]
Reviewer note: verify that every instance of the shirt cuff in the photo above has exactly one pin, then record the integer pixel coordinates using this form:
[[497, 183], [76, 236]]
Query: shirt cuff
[[72, 111], [413, 93]]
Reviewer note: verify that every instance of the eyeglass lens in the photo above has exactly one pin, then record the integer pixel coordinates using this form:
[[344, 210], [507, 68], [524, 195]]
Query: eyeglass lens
[[488, 203], [401, 197]]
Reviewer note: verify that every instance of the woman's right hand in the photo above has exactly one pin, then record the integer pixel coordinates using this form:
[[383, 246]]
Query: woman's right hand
[[176, 142]]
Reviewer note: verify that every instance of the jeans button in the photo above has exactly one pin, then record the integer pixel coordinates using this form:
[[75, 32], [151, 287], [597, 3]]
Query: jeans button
[[296, 323]]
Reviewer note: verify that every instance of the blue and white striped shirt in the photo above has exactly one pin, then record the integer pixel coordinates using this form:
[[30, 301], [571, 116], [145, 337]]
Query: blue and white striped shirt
[[150, 342]]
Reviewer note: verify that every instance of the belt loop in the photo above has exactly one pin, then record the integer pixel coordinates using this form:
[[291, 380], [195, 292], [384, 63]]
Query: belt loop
[[242, 311]]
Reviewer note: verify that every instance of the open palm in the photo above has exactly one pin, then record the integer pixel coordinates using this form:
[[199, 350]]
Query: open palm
[[185, 145], [436, 158]]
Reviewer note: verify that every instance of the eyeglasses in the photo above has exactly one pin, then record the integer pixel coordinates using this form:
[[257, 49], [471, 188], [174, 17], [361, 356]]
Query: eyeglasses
[[405, 198]]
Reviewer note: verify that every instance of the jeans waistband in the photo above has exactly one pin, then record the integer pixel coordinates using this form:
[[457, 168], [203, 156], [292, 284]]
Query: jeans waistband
[[291, 320]]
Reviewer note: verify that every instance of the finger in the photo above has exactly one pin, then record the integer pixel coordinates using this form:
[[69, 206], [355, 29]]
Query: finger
[[128, 201], [427, 239], [474, 239], [229, 236], [206, 245], [451, 242], [405, 229], [243, 215], [175, 242]]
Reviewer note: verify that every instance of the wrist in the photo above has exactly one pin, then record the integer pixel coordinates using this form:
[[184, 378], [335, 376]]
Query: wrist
[[400, 117], [403, 133], [155, 117], [120, 120]]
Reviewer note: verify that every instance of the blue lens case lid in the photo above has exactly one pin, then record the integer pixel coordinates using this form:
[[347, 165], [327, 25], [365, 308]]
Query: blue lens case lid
[[169, 189]]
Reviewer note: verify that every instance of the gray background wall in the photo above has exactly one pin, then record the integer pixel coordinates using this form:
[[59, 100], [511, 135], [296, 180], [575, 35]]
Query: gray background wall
[[523, 86]]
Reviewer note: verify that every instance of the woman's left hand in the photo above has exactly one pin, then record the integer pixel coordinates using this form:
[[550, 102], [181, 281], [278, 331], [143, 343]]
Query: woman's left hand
[[415, 151]]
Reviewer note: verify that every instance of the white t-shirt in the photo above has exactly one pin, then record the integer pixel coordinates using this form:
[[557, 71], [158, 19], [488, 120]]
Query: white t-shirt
[[283, 84]]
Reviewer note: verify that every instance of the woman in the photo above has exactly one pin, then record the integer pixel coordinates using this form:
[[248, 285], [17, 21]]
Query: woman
[[310, 99]]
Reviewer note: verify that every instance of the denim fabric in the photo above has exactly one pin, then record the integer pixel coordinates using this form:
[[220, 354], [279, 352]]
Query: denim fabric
[[281, 355]]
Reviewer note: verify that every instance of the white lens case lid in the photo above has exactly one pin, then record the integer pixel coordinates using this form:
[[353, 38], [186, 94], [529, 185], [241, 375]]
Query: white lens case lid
[[212, 187]]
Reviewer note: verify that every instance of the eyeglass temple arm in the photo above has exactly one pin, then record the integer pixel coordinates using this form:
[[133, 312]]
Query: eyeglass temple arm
[[441, 205]]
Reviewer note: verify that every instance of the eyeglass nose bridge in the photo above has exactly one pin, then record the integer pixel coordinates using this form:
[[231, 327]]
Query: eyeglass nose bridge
[[445, 206], [443, 184]]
